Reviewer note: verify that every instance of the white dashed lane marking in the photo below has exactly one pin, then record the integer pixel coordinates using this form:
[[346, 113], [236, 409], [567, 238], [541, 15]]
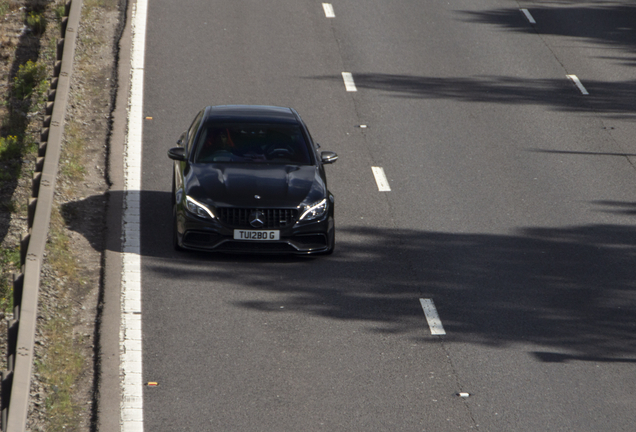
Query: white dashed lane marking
[[328, 7], [577, 82], [350, 85], [434, 323], [380, 179], [526, 12]]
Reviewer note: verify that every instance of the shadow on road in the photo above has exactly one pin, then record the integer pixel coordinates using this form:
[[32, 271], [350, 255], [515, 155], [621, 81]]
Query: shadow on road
[[607, 24], [569, 289], [609, 27], [616, 99]]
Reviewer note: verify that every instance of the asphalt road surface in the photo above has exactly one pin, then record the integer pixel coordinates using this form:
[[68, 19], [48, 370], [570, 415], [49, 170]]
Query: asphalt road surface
[[505, 131]]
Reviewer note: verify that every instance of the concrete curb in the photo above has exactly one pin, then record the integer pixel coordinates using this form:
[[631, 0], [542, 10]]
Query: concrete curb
[[17, 380]]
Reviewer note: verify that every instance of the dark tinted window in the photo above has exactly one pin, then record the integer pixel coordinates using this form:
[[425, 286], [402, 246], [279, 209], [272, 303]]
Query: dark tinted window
[[253, 143], [192, 131]]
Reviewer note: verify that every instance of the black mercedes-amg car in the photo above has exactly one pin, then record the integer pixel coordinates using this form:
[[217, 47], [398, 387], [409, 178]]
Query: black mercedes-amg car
[[250, 179]]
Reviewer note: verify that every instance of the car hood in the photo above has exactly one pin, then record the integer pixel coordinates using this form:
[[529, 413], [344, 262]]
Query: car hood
[[238, 185]]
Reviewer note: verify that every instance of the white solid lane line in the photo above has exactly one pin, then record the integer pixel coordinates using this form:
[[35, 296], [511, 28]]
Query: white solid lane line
[[434, 323], [132, 415], [350, 86], [328, 7], [576, 81], [526, 12], [380, 179]]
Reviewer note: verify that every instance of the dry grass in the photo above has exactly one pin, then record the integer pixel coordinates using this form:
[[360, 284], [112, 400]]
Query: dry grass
[[7, 6], [106, 4], [62, 362], [72, 157], [59, 370], [59, 253]]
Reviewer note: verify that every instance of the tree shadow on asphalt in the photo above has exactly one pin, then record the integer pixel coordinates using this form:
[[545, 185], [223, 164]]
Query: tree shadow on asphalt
[[612, 99], [609, 25], [570, 290]]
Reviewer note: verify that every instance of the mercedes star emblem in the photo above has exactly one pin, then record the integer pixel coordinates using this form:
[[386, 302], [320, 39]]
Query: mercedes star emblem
[[257, 219]]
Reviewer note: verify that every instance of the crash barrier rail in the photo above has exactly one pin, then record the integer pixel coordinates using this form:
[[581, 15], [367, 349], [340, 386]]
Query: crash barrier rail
[[16, 380]]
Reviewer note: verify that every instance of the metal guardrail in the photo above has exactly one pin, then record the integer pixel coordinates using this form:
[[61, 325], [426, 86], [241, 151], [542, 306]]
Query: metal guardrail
[[16, 380]]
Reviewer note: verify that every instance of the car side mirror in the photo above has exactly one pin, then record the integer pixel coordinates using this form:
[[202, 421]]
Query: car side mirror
[[181, 139], [328, 157], [177, 153]]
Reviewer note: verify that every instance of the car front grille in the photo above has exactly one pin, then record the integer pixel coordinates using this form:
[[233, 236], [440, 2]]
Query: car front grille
[[272, 218]]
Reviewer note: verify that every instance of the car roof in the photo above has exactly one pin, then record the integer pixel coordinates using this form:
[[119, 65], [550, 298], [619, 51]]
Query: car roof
[[251, 114]]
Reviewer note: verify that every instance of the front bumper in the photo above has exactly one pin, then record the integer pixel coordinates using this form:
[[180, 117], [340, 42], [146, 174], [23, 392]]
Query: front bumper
[[211, 235]]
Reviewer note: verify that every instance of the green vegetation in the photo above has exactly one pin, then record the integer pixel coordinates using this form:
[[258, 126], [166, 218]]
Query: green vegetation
[[37, 22], [6, 6], [9, 207], [28, 90], [60, 11], [9, 262], [10, 148], [31, 77]]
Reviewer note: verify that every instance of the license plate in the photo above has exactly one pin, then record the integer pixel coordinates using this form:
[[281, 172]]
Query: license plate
[[256, 235]]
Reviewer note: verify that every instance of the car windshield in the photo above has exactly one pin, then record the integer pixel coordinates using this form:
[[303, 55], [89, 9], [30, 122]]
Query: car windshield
[[252, 143]]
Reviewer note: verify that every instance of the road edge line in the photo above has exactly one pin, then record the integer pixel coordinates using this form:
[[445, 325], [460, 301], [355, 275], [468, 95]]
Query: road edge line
[[132, 418]]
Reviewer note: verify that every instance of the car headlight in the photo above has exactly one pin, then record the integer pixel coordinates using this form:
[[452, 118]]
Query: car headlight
[[315, 210], [198, 209]]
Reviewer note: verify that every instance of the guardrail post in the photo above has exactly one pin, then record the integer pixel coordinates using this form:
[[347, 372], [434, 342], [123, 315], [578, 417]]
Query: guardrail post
[[18, 286], [7, 380], [35, 184], [24, 246], [12, 339], [31, 211], [60, 49]]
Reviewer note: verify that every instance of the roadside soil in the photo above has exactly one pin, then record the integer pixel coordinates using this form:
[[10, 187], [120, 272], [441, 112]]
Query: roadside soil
[[70, 292]]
